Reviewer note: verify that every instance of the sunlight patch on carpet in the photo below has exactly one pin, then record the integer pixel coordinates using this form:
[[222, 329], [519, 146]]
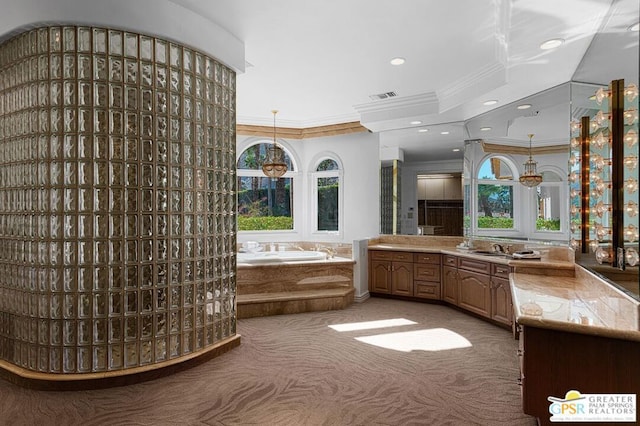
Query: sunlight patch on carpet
[[368, 325], [435, 339]]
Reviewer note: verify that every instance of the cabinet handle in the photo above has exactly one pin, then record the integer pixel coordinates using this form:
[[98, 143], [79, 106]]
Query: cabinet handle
[[520, 352]]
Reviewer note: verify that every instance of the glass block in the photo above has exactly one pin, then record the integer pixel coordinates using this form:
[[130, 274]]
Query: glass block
[[132, 175], [84, 305], [85, 283], [146, 74], [69, 360], [131, 69], [131, 300], [131, 44], [115, 43], [131, 354], [175, 321], [84, 39], [131, 124], [84, 67], [146, 352], [84, 359], [99, 40], [69, 66], [69, 332], [100, 68], [146, 280], [115, 357], [115, 330], [174, 346], [188, 345], [175, 80], [161, 349], [176, 278], [100, 330]]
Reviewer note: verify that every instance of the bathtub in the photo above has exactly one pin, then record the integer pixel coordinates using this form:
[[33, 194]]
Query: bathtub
[[280, 256]]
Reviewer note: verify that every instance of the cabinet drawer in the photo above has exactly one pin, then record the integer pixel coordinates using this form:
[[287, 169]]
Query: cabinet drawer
[[474, 265], [501, 271], [380, 255], [398, 256], [426, 272], [426, 258], [426, 290], [450, 261]]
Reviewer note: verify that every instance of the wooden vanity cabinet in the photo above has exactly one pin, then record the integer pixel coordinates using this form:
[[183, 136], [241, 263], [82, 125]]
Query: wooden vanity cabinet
[[555, 361], [426, 275], [501, 304], [405, 274], [391, 272], [478, 286]]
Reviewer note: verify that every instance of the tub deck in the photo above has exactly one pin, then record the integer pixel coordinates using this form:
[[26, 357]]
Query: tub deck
[[290, 287]]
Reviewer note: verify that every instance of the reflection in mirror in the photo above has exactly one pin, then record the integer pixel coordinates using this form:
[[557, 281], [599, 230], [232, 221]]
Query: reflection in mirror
[[495, 195], [549, 203]]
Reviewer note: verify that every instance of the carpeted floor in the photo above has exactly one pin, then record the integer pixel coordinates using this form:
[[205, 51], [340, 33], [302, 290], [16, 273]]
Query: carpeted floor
[[297, 370]]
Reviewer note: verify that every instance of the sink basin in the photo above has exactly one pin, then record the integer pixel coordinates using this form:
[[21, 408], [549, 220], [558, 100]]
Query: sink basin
[[489, 253]]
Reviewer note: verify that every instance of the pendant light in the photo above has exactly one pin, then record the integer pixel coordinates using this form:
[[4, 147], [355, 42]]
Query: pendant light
[[274, 165], [530, 178]]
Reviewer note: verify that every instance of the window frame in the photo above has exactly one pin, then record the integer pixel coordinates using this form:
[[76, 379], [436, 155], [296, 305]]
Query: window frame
[[314, 175], [292, 173], [516, 230]]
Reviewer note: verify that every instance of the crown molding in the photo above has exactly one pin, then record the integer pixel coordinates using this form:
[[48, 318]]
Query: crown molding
[[298, 124], [298, 133], [495, 148]]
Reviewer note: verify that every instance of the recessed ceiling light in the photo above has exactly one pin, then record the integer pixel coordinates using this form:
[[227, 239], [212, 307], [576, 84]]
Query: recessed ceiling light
[[490, 102], [634, 27], [524, 106], [397, 61], [423, 130], [456, 150], [444, 133], [414, 122], [551, 44], [485, 129]]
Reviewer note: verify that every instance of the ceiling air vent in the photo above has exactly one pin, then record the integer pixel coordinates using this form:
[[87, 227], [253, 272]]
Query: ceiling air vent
[[385, 95]]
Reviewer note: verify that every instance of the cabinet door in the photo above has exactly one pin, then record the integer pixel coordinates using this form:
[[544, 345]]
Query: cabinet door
[[475, 292], [501, 306], [402, 278], [450, 285], [453, 189], [380, 276]]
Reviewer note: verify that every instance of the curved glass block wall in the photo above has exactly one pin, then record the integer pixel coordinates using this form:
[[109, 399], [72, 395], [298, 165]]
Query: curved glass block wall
[[117, 201]]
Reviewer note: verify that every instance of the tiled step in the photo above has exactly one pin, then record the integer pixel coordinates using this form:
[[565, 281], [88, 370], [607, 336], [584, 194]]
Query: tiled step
[[293, 302]]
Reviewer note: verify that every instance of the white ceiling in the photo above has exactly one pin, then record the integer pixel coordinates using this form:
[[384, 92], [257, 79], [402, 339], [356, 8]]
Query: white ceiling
[[318, 63]]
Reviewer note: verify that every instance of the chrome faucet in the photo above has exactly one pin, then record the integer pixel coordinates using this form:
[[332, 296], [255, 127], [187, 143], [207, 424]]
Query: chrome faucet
[[499, 248], [330, 252]]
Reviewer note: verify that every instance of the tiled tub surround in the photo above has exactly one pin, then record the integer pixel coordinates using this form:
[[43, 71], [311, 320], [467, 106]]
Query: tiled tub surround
[[288, 287], [117, 203]]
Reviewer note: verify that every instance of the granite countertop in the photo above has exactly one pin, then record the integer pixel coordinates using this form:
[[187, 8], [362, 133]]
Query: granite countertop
[[556, 293], [580, 304], [545, 262]]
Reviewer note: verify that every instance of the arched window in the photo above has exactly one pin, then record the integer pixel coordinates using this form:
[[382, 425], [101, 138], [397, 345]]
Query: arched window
[[264, 204], [549, 206], [327, 195], [495, 190]]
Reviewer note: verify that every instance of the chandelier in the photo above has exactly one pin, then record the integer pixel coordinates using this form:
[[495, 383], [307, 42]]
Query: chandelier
[[274, 165], [530, 178]]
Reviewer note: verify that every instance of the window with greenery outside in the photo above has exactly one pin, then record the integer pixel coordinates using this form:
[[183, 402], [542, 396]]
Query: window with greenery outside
[[495, 195], [263, 203], [327, 185]]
